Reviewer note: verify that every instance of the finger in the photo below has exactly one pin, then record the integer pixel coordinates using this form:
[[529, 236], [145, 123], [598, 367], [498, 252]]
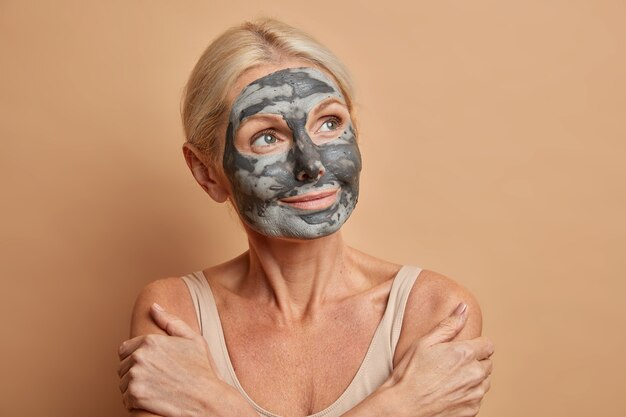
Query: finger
[[173, 325], [481, 346], [126, 402], [476, 376], [134, 397], [449, 327], [486, 385], [129, 346], [124, 381], [487, 366], [125, 365], [478, 391]]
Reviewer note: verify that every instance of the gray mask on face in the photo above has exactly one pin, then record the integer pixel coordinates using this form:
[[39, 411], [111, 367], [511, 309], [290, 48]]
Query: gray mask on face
[[259, 182]]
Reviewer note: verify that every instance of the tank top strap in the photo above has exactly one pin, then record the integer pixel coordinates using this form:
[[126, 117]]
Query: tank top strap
[[378, 362], [209, 321], [398, 296]]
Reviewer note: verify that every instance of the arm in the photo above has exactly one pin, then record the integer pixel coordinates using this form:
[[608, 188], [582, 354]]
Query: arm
[[431, 300], [166, 368], [434, 360], [170, 293]]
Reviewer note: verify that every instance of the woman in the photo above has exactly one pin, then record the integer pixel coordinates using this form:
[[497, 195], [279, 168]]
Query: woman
[[300, 324]]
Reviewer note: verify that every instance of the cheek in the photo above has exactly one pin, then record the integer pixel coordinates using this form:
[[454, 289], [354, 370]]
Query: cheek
[[263, 177], [261, 187], [343, 161]]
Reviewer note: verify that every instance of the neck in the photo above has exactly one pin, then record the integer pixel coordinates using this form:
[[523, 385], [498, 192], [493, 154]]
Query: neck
[[297, 276]]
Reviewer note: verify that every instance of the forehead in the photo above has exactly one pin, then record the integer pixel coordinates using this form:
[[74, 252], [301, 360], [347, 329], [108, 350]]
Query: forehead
[[291, 92]]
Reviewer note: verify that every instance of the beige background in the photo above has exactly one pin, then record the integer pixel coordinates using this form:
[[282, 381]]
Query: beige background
[[493, 135]]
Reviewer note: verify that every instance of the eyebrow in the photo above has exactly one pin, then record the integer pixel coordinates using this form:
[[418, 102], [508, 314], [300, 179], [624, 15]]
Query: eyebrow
[[331, 100], [267, 117]]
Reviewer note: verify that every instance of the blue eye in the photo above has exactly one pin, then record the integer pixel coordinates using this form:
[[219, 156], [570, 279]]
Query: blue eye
[[265, 139]]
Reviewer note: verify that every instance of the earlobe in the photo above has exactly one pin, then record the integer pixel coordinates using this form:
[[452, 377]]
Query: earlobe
[[205, 173]]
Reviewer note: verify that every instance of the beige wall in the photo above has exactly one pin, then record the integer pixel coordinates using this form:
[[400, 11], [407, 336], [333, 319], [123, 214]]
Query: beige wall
[[494, 142]]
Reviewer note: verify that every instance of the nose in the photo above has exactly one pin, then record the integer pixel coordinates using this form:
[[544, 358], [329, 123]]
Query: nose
[[308, 162], [311, 172]]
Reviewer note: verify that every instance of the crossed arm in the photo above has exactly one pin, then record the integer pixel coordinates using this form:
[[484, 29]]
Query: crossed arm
[[441, 373]]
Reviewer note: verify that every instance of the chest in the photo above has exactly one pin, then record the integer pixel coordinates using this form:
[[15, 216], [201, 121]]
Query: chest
[[298, 370]]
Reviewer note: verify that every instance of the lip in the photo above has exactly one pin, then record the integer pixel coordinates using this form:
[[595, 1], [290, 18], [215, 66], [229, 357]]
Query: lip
[[312, 201]]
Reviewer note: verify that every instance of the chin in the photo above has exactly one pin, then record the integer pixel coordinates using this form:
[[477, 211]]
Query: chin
[[295, 229]]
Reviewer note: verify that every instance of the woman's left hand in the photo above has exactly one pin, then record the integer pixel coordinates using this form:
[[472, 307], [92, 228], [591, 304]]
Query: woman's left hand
[[172, 375]]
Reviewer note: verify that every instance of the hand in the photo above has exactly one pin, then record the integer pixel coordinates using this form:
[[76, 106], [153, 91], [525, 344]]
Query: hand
[[172, 375], [438, 377]]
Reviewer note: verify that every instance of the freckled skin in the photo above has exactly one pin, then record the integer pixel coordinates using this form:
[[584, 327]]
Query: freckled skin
[[260, 181]]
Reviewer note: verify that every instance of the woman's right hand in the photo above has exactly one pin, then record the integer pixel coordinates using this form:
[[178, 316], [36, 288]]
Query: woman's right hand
[[174, 374], [439, 377]]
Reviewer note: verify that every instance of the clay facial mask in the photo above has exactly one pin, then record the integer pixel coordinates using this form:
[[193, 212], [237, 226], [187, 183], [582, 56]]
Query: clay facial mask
[[291, 155]]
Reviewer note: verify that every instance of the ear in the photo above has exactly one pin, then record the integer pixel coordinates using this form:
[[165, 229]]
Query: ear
[[205, 173]]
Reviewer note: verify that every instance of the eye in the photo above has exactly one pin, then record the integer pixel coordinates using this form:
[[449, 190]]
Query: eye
[[264, 139], [330, 124]]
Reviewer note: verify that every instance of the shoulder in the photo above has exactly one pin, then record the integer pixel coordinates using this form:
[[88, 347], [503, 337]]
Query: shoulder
[[433, 298], [171, 294]]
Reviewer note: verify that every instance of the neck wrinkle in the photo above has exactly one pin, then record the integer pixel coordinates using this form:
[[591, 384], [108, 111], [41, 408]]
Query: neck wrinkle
[[296, 276]]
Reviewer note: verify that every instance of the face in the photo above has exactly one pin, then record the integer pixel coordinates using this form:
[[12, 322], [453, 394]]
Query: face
[[291, 155]]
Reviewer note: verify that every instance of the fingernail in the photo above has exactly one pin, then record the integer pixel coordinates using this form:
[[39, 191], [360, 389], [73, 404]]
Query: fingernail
[[158, 307], [460, 309]]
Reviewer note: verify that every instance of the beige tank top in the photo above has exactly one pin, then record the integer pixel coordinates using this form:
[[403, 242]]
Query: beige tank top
[[374, 370]]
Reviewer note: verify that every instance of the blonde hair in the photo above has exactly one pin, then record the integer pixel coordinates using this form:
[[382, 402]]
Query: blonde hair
[[238, 49]]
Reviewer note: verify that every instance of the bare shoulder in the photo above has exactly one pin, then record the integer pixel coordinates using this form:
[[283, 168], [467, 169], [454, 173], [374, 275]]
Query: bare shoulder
[[433, 298], [171, 294]]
